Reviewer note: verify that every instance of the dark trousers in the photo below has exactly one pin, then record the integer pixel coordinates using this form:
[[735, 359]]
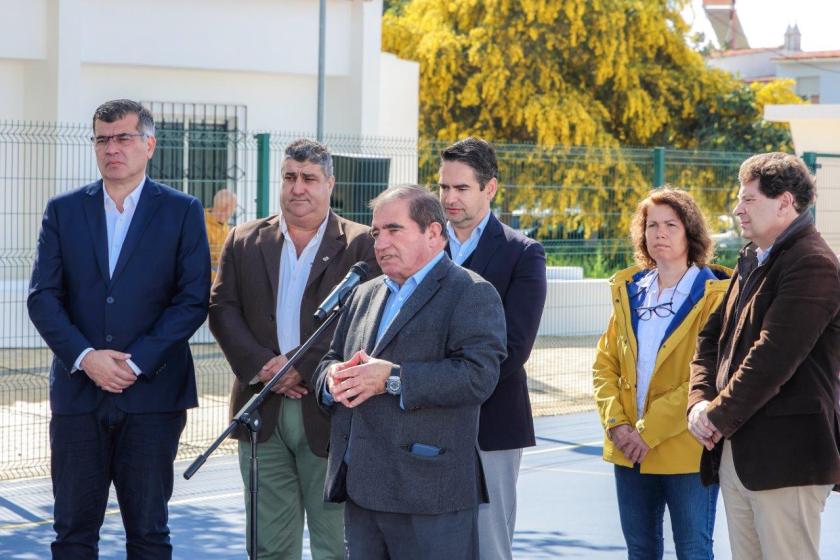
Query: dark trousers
[[376, 535], [135, 452]]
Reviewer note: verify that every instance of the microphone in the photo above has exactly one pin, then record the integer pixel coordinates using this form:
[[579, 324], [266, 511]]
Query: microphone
[[355, 276]]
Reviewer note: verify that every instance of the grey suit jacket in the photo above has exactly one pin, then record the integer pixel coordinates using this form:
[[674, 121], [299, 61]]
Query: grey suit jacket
[[448, 338]]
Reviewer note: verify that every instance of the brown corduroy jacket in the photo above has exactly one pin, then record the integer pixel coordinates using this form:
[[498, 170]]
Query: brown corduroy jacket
[[768, 361], [243, 302]]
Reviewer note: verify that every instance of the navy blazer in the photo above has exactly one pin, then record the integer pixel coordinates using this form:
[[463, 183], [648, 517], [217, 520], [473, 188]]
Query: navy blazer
[[515, 265], [152, 305]]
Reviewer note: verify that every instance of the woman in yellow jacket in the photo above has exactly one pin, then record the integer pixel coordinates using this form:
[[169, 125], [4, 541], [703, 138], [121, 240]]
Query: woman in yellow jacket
[[641, 377]]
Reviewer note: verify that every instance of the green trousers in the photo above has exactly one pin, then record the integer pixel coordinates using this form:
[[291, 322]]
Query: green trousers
[[291, 480]]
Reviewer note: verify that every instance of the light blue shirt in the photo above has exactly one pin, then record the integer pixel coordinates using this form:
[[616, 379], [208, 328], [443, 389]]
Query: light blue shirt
[[461, 252], [400, 294], [762, 255]]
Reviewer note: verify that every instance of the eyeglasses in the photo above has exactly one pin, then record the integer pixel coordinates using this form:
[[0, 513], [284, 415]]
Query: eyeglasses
[[123, 139], [662, 310]]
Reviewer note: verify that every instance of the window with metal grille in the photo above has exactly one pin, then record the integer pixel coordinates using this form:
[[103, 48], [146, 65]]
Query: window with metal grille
[[197, 147]]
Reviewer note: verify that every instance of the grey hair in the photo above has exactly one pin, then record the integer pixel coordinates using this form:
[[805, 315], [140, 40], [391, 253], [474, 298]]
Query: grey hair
[[423, 207], [305, 150], [114, 110]]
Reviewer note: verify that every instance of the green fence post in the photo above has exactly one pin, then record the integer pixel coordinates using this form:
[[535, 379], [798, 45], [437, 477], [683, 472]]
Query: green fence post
[[263, 155], [658, 167], [810, 159]]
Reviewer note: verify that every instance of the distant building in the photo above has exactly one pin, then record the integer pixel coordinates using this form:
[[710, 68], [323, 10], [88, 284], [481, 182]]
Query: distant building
[[817, 74]]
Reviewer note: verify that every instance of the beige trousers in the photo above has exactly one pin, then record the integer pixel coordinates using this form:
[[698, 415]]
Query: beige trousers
[[780, 524]]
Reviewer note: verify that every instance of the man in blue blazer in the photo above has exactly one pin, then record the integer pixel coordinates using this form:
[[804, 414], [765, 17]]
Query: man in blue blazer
[[120, 282], [515, 265]]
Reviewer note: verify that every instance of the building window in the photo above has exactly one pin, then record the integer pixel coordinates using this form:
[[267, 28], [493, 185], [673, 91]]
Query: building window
[[197, 147], [808, 88]]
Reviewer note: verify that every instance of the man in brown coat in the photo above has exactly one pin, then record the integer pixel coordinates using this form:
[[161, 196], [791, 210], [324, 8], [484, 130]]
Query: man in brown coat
[[273, 274], [764, 381]]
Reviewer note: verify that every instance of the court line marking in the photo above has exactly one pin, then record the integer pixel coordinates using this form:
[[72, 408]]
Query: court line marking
[[539, 450]]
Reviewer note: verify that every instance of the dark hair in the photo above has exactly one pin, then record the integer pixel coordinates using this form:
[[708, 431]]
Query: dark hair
[[423, 207], [777, 173], [700, 244], [305, 150], [478, 154], [114, 110]]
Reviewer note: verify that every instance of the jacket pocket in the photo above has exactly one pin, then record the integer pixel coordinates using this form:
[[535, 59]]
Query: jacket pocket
[[788, 406]]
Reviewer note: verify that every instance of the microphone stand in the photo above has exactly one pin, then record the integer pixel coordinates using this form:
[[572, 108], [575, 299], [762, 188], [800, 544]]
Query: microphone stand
[[249, 417]]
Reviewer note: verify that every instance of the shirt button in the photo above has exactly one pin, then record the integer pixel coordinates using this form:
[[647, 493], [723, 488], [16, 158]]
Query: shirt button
[[108, 338], [109, 299]]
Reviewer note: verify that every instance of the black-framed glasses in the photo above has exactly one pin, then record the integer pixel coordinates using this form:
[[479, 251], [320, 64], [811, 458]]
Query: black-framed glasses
[[661, 310], [123, 139]]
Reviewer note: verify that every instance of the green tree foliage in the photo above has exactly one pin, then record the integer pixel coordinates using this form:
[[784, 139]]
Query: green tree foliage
[[554, 74]]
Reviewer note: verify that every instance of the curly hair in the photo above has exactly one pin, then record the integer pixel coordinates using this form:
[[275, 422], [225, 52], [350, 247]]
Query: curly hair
[[700, 244], [778, 172]]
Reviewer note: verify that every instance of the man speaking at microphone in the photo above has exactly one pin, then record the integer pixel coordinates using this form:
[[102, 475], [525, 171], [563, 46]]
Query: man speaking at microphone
[[273, 274], [413, 357]]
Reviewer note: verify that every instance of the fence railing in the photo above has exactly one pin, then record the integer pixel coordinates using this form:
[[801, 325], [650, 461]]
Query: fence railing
[[577, 201]]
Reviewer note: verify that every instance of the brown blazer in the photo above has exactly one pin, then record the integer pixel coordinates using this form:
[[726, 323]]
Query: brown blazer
[[243, 302], [771, 371]]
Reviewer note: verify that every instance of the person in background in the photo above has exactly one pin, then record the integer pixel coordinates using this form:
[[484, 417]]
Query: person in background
[[216, 220], [515, 265], [641, 374]]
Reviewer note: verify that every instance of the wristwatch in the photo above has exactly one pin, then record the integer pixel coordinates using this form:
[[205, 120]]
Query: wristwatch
[[393, 383]]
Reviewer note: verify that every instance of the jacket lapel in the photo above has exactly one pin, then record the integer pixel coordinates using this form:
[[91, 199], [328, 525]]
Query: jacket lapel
[[270, 242], [424, 292], [491, 239], [331, 246], [95, 213], [375, 312], [146, 208]]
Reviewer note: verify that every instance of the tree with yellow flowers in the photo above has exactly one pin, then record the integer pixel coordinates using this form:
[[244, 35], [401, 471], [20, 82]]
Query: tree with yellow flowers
[[561, 74]]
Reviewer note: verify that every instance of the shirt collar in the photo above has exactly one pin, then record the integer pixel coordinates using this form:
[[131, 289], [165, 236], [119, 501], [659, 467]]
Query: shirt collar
[[648, 281], [762, 254], [479, 229], [284, 227], [130, 201], [416, 278]]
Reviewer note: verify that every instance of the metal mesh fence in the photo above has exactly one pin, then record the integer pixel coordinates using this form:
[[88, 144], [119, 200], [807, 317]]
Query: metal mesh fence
[[577, 201]]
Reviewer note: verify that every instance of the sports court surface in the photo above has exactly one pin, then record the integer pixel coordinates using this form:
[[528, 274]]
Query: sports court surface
[[567, 507]]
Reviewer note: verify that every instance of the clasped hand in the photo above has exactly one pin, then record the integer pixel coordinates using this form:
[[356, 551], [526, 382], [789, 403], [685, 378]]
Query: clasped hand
[[290, 385], [629, 442], [701, 427], [109, 369], [361, 377]]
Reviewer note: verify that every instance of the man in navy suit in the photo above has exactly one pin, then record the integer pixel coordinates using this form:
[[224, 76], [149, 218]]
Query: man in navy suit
[[121, 280], [515, 265]]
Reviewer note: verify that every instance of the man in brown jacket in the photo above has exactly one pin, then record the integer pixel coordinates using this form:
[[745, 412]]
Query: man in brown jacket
[[273, 274], [764, 381]]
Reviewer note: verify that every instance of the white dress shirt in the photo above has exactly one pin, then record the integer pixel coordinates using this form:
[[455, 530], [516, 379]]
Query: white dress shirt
[[294, 273], [116, 226], [651, 332]]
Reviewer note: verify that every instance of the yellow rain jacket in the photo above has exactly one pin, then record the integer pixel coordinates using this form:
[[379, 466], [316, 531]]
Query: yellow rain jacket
[[673, 450]]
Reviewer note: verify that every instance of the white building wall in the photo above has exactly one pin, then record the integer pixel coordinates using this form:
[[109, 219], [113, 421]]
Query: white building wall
[[747, 66], [827, 71], [60, 58]]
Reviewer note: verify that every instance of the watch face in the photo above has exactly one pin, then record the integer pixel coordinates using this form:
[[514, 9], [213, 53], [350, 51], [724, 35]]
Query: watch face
[[393, 385]]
